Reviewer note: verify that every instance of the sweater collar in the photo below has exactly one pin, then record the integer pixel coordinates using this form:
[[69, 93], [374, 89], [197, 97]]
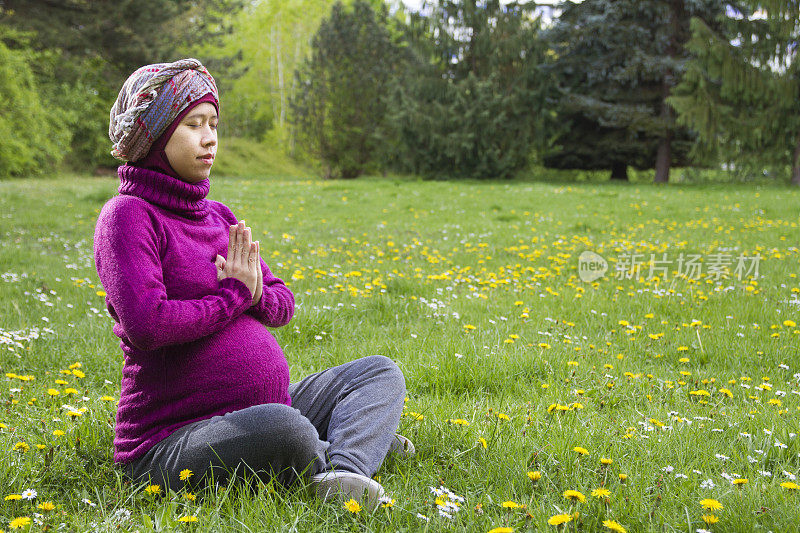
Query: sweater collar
[[185, 199]]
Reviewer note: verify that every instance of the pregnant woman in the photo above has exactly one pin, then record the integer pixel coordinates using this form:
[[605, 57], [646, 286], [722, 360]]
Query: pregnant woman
[[205, 386]]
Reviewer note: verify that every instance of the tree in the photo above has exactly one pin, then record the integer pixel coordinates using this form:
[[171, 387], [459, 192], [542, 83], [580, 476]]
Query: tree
[[617, 62], [338, 109], [31, 136], [86, 50], [741, 91], [471, 102]]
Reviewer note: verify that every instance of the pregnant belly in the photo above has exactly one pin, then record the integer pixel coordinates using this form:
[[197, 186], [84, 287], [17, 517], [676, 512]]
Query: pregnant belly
[[242, 355]]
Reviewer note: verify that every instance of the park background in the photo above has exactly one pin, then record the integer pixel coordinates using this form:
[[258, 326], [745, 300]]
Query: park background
[[629, 89], [483, 141]]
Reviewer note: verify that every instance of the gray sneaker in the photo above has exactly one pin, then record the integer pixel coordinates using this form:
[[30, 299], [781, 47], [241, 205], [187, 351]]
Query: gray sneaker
[[346, 485], [402, 446]]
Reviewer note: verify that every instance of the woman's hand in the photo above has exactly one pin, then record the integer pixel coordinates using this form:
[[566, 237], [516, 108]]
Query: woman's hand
[[243, 262]]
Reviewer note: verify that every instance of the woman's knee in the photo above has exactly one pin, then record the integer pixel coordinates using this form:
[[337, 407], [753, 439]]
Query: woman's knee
[[389, 373], [298, 436]]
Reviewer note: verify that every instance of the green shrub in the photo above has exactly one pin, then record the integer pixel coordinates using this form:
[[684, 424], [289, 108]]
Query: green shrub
[[33, 138]]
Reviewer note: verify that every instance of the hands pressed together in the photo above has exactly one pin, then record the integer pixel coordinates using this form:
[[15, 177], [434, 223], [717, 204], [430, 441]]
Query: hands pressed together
[[243, 261]]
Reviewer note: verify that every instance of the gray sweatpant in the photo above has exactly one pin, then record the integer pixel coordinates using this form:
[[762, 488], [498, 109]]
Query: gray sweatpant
[[342, 418]]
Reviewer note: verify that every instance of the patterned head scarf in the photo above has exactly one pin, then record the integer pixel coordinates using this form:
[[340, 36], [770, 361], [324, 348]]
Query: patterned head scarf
[[150, 99]]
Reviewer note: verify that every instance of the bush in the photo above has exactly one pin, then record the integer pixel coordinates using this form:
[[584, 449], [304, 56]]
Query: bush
[[32, 138]]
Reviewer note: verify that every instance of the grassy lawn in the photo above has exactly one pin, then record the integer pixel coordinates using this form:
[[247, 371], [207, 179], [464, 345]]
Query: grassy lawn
[[524, 381]]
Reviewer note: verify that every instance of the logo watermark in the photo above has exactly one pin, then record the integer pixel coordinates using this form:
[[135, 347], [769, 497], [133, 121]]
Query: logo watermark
[[592, 266]]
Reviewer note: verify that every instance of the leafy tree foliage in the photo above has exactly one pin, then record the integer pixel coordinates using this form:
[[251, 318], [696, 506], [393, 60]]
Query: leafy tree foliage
[[31, 135], [471, 101], [617, 63], [255, 64], [85, 50], [339, 108], [741, 91]]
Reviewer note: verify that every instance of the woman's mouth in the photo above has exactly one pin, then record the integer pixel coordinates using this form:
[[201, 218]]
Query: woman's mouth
[[207, 159]]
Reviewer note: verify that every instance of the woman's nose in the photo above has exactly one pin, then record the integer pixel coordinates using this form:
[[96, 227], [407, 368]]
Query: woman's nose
[[209, 136]]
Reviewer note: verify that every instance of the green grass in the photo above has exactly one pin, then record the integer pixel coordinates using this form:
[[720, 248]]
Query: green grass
[[406, 269]]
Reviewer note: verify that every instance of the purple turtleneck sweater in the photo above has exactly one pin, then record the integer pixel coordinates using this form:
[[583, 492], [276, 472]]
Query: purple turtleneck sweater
[[194, 347]]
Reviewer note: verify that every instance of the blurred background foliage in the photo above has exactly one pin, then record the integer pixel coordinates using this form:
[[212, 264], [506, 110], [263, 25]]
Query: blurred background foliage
[[449, 89]]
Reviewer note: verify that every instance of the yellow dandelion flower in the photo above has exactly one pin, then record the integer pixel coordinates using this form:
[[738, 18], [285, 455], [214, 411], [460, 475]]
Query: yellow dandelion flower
[[572, 363], [710, 505], [614, 526], [559, 519], [53, 392], [601, 493], [511, 505], [20, 522], [726, 392], [483, 442], [789, 323], [469, 327], [623, 478], [606, 461], [186, 474], [790, 485], [189, 518], [574, 495], [108, 398], [46, 506], [21, 447], [543, 345], [535, 475], [710, 519], [458, 421], [740, 481], [582, 451], [58, 432], [352, 506], [503, 416], [153, 489], [189, 496], [501, 530], [13, 497], [78, 374]]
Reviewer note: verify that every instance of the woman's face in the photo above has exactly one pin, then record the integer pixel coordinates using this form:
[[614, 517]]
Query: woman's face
[[193, 146]]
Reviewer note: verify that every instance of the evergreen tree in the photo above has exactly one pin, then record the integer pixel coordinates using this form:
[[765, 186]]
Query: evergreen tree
[[339, 107], [471, 102], [741, 91], [617, 63]]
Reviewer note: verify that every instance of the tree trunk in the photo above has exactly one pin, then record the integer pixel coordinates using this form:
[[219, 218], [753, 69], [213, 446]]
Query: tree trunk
[[663, 158], [796, 164], [619, 171], [664, 154], [281, 87]]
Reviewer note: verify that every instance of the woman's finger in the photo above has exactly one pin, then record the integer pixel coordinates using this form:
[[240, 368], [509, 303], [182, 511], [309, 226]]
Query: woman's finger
[[247, 238], [231, 242], [240, 255]]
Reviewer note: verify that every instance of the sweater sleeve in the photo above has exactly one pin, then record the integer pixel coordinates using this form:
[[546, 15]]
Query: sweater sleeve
[[128, 261], [276, 306]]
